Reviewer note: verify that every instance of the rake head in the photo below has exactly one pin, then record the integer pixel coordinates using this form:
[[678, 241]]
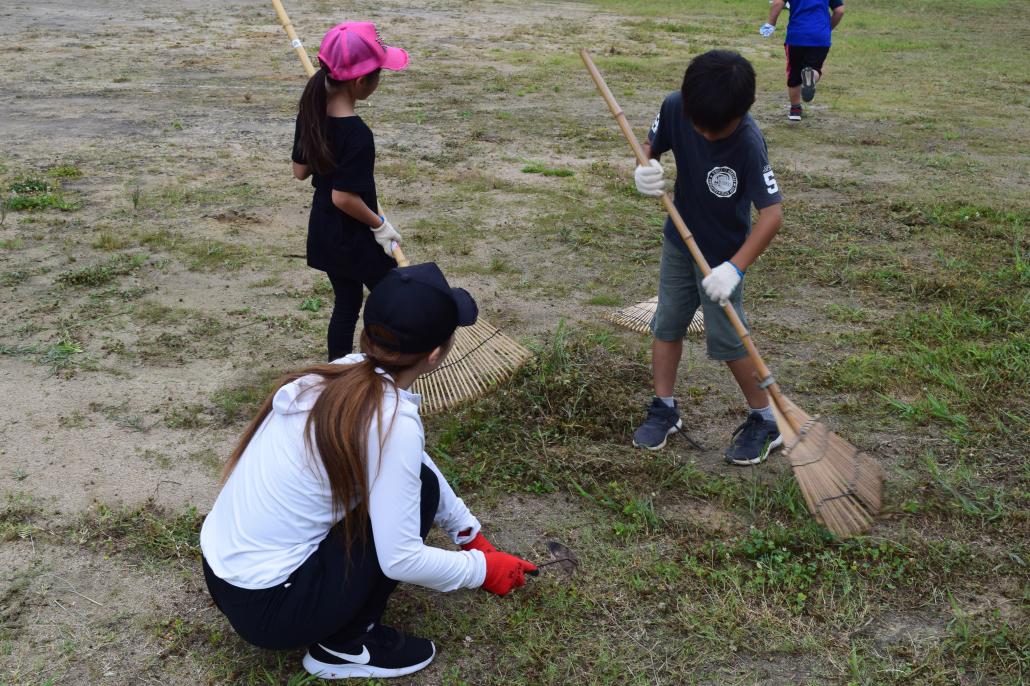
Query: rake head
[[842, 486], [481, 358], [638, 318]]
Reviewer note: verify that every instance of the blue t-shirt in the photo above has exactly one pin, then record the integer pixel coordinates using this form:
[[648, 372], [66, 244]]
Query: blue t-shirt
[[716, 183], [809, 23]]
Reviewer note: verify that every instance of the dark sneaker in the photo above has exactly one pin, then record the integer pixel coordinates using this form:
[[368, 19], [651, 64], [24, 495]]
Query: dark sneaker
[[661, 422], [807, 84], [795, 113], [753, 441], [382, 652]]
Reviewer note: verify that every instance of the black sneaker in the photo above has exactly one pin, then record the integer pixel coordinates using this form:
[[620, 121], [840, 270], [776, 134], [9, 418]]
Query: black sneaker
[[807, 84], [382, 652], [795, 113], [753, 441], [661, 422]]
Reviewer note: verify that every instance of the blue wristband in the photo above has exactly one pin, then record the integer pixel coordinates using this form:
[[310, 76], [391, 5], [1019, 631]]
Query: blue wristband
[[739, 272]]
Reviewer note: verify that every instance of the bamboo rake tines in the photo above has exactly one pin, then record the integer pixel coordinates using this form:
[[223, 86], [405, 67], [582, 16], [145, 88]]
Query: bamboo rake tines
[[482, 358], [638, 318]]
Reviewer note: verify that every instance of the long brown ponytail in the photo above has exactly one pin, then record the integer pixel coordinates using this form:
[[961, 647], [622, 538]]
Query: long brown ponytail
[[340, 419], [315, 145]]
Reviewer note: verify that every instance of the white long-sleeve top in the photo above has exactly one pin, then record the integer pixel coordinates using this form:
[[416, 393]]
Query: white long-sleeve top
[[276, 506]]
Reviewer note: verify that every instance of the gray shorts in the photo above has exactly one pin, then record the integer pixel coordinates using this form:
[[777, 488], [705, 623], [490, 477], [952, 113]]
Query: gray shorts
[[679, 295]]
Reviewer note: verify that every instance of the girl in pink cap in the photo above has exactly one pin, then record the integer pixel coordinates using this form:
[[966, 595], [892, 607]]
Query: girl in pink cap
[[347, 237]]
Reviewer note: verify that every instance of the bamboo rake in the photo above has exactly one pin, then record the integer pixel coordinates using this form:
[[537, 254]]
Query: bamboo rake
[[638, 317], [841, 486]]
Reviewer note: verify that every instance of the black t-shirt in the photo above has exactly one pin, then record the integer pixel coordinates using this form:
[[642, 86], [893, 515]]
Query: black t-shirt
[[338, 243], [716, 182]]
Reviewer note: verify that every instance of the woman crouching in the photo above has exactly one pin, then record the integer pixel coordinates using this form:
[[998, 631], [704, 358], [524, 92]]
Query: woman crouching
[[329, 495]]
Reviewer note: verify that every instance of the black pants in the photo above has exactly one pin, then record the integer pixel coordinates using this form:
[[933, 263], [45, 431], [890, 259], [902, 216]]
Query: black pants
[[801, 56], [349, 291], [325, 599]]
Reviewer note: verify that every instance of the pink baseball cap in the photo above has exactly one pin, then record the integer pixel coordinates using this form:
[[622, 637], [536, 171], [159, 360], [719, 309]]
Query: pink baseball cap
[[354, 49]]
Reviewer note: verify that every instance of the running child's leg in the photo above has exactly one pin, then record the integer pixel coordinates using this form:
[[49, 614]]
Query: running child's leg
[[348, 293], [795, 63], [812, 71]]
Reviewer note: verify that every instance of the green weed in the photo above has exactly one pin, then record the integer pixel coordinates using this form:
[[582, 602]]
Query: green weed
[[142, 532], [541, 168], [64, 171], [29, 194], [311, 304], [103, 272], [19, 510], [240, 401]]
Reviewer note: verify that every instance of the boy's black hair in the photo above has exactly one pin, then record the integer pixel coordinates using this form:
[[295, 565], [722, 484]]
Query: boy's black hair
[[718, 87]]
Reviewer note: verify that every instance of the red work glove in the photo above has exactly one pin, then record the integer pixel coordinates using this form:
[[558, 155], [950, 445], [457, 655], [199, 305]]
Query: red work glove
[[505, 572], [478, 543]]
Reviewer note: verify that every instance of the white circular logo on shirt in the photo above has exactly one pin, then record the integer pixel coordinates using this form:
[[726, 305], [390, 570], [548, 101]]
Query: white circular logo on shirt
[[722, 181]]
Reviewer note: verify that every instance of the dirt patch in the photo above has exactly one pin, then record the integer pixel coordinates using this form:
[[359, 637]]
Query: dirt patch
[[84, 617]]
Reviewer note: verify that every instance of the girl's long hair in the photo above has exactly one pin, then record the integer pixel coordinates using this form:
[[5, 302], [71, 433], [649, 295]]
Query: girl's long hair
[[351, 394], [315, 144]]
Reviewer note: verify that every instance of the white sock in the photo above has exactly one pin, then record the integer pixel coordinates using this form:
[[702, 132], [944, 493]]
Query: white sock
[[766, 412], [669, 402]]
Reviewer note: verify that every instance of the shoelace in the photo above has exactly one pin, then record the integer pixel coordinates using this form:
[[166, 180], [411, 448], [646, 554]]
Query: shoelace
[[751, 419], [384, 636], [655, 412]]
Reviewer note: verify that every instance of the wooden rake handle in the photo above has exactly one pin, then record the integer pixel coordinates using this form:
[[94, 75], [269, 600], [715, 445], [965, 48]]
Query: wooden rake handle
[[765, 376], [284, 21], [398, 254]]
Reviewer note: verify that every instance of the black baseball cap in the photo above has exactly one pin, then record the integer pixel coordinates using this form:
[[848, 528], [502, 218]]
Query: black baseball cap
[[414, 310]]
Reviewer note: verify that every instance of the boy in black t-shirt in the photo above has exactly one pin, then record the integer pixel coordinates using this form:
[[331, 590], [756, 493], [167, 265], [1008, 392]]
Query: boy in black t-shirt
[[723, 168]]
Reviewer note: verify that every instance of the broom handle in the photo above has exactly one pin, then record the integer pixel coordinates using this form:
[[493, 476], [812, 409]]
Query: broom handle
[[284, 20], [763, 372]]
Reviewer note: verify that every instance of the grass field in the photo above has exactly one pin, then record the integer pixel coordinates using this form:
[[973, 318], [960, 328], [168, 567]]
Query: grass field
[[149, 301]]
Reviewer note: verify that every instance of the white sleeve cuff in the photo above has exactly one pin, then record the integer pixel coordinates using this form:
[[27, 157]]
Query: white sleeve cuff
[[478, 576], [474, 528]]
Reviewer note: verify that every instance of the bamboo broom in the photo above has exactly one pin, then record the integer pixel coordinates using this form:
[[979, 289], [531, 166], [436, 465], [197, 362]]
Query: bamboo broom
[[482, 356], [842, 486]]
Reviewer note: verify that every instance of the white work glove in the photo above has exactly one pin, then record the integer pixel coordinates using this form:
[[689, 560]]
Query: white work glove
[[720, 283], [649, 179], [767, 29], [385, 235]]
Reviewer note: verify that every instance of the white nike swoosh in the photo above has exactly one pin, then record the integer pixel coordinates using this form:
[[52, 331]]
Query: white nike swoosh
[[361, 659]]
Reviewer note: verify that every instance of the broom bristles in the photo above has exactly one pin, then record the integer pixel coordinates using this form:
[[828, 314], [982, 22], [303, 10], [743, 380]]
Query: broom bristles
[[842, 486], [481, 358], [638, 317]]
